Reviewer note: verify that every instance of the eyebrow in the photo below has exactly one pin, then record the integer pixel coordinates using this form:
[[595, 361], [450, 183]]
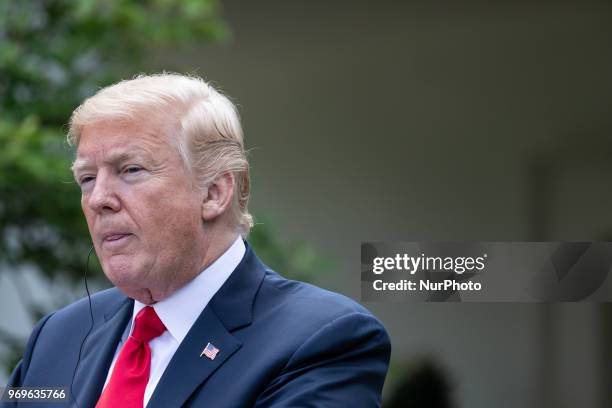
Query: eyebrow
[[113, 157]]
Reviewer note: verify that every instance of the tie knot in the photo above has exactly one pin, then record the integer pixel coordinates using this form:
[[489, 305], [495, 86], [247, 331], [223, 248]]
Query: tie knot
[[147, 325]]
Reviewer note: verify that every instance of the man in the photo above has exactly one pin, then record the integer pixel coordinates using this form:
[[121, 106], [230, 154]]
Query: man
[[195, 318]]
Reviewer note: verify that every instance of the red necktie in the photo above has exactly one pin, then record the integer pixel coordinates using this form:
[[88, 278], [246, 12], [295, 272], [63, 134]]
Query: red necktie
[[130, 376]]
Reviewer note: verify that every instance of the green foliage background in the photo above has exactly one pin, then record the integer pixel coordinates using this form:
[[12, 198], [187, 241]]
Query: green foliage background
[[54, 54]]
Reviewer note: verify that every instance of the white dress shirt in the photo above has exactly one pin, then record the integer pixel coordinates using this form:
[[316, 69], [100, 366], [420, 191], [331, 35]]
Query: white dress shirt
[[179, 312]]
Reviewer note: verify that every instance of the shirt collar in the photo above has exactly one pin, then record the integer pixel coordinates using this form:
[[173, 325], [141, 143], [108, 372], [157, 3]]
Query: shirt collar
[[180, 310]]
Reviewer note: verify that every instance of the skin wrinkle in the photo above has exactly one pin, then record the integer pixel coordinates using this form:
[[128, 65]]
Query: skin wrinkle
[[177, 229], [133, 152]]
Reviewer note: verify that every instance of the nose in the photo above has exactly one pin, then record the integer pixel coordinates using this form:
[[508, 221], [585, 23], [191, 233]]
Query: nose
[[103, 197]]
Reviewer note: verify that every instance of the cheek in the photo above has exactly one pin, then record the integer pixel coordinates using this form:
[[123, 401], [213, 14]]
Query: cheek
[[174, 225], [89, 216], [184, 227]]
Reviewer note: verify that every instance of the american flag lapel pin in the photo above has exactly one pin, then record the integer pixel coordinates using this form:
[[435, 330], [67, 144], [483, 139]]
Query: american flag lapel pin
[[210, 351]]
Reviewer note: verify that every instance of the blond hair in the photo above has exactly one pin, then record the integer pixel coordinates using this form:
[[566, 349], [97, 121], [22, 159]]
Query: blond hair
[[208, 132]]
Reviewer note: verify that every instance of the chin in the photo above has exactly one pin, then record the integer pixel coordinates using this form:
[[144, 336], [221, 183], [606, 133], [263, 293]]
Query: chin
[[124, 274], [132, 284]]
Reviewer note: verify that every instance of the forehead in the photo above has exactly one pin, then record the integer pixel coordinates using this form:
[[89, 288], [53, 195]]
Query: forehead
[[114, 140], [110, 131]]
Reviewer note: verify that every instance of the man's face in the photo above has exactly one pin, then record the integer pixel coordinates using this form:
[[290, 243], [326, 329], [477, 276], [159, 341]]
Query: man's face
[[143, 213]]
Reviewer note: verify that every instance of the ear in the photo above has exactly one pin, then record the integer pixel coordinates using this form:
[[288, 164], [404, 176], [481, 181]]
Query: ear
[[218, 197]]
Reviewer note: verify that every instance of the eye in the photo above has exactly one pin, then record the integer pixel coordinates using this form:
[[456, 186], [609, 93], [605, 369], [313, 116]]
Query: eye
[[132, 169], [85, 179]]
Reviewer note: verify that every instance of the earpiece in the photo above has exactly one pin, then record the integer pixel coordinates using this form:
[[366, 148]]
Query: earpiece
[[90, 327]]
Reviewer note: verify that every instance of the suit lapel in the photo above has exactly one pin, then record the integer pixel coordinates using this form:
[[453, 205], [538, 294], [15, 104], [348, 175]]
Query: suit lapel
[[187, 369], [98, 352], [228, 310]]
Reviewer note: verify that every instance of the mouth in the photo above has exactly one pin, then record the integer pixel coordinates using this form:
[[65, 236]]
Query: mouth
[[115, 239]]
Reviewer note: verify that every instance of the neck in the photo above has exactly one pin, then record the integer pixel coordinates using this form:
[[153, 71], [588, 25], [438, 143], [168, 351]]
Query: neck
[[216, 243], [216, 246]]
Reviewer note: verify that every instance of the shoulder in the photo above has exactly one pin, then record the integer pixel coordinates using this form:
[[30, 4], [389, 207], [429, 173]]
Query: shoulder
[[321, 341], [63, 329], [310, 310], [78, 314], [302, 297]]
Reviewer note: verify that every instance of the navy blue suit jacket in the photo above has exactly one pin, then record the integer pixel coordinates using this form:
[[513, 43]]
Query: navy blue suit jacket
[[282, 344]]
